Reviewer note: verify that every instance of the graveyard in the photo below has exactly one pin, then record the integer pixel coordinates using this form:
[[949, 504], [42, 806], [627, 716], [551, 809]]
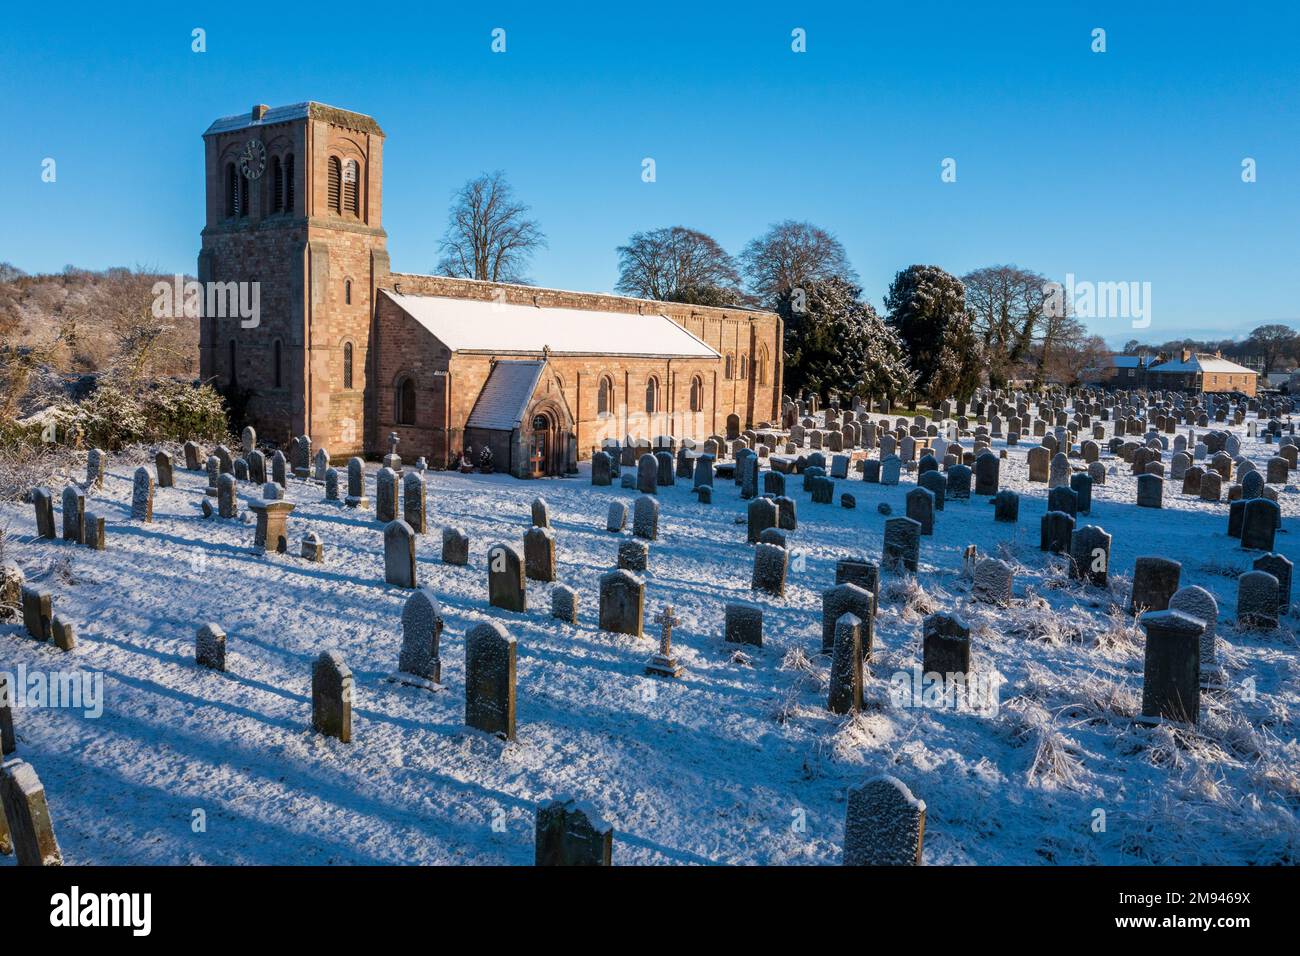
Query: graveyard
[[719, 653]]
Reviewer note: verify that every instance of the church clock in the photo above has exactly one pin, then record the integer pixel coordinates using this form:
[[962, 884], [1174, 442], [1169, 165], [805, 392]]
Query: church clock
[[252, 161]]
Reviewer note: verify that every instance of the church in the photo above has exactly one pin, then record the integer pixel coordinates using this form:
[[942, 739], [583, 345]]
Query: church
[[349, 352]]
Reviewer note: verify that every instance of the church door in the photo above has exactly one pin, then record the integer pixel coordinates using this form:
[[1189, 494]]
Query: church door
[[540, 448]]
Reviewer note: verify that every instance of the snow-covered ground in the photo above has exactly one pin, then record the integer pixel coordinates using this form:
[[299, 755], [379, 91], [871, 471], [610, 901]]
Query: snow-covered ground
[[738, 761]]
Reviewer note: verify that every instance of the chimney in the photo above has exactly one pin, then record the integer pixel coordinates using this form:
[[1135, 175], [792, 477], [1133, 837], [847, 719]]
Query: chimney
[[1187, 355], [260, 110]]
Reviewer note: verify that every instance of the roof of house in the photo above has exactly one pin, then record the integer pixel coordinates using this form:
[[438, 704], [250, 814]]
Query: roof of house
[[1127, 361], [505, 395], [296, 111], [1201, 362], [501, 328]]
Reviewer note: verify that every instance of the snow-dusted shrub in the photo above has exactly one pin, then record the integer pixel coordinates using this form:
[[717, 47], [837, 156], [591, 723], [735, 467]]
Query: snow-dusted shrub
[[112, 417]]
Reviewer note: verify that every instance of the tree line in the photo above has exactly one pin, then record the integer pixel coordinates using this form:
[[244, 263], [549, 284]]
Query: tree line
[[940, 336]]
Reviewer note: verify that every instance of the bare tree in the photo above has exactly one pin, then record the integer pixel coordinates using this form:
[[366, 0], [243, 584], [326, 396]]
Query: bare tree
[[1273, 342], [677, 264], [1008, 305], [145, 342], [791, 253], [489, 235]]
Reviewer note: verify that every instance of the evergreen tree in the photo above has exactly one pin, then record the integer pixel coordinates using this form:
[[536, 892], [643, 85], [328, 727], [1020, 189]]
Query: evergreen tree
[[927, 307], [834, 341]]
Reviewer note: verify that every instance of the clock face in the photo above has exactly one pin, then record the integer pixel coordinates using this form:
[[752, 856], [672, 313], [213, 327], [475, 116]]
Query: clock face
[[253, 159]]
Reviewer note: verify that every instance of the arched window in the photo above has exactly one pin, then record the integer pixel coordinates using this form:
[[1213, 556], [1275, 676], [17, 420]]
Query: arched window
[[277, 185], [243, 196], [404, 402], [762, 366], [351, 188], [335, 184], [347, 291], [729, 367], [697, 394], [605, 397], [288, 183], [744, 367], [234, 369], [347, 364], [652, 395], [277, 376], [232, 191]]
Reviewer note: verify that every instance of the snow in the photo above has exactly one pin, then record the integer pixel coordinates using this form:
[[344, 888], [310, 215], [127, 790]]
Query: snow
[[737, 761], [507, 328], [505, 396]]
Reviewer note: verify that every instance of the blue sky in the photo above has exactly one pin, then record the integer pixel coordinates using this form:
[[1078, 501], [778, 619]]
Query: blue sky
[[1119, 166]]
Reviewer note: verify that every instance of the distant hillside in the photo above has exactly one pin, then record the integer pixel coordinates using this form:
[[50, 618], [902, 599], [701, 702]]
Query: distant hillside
[[81, 321]]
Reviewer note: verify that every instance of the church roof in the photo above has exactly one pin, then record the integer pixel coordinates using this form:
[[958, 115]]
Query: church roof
[[296, 111], [477, 325], [504, 398]]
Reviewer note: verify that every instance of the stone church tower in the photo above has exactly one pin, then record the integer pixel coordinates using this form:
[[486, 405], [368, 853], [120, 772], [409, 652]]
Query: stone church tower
[[294, 204]]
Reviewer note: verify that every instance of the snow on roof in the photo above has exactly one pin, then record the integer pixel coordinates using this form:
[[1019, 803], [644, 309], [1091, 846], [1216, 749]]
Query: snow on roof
[[1202, 363], [505, 396], [476, 325], [295, 111]]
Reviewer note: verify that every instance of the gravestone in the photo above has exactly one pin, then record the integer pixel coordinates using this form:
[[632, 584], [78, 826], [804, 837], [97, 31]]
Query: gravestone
[[663, 664], [743, 623], [399, 554], [96, 461], [1199, 603], [1006, 506], [1257, 600], [1150, 491], [622, 602], [987, 467], [845, 693], [564, 604], [936, 483], [992, 582], [539, 553], [93, 531], [62, 633], [193, 457], [356, 497], [540, 513], [920, 508], [1171, 672], [43, 502], [884, 824], [958, 488], [506, 586], [902, 545], [647, 475], [311, 548], [761, 514], [331, 484], [331, 696], [847, 599], [142, 496], [1090, 555], [25, 824], [74, 513], [413, 502], [163, 466], [385, 495], [770, 563], [210, 647], [1054, 532], [1059, 471], [645, 518], [421, 636], [601, 469], [226, 506], [1155, 580], [1039, 459], [490, 662], [1081, 485], [455, 546], [569, 833], [945, 645], [1260, 519], [37, 613], [616, 518], [269, 533], [1281, 568], [1063, 499]]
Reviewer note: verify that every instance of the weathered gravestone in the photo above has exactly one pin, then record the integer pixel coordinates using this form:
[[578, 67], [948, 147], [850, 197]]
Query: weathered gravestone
[[414, 510], [1260, 519], [43, 502], [142, 495], [539, 553], [1171, 678], [37, 613], [645, 518], [163, 466], [622, 602], [385, 495], [421, 635], [992, 582], [26, 829], [1257, 600], [743, 623], [564, 604], [616, 518], [945, 645], [1199, 603], [845, 692], [1155, 580], [569, 833], [506, 586], [74, 513], [331, 696], [210, 647], [847, 599], [269, 533], [490, 679], [1055, 530], [884, 825], [1090, 555], [770, 566], [1281, 568], [455, 546], [902, 545]]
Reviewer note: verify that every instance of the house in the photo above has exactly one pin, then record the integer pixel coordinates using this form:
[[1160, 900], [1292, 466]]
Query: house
[[1202, 372]]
